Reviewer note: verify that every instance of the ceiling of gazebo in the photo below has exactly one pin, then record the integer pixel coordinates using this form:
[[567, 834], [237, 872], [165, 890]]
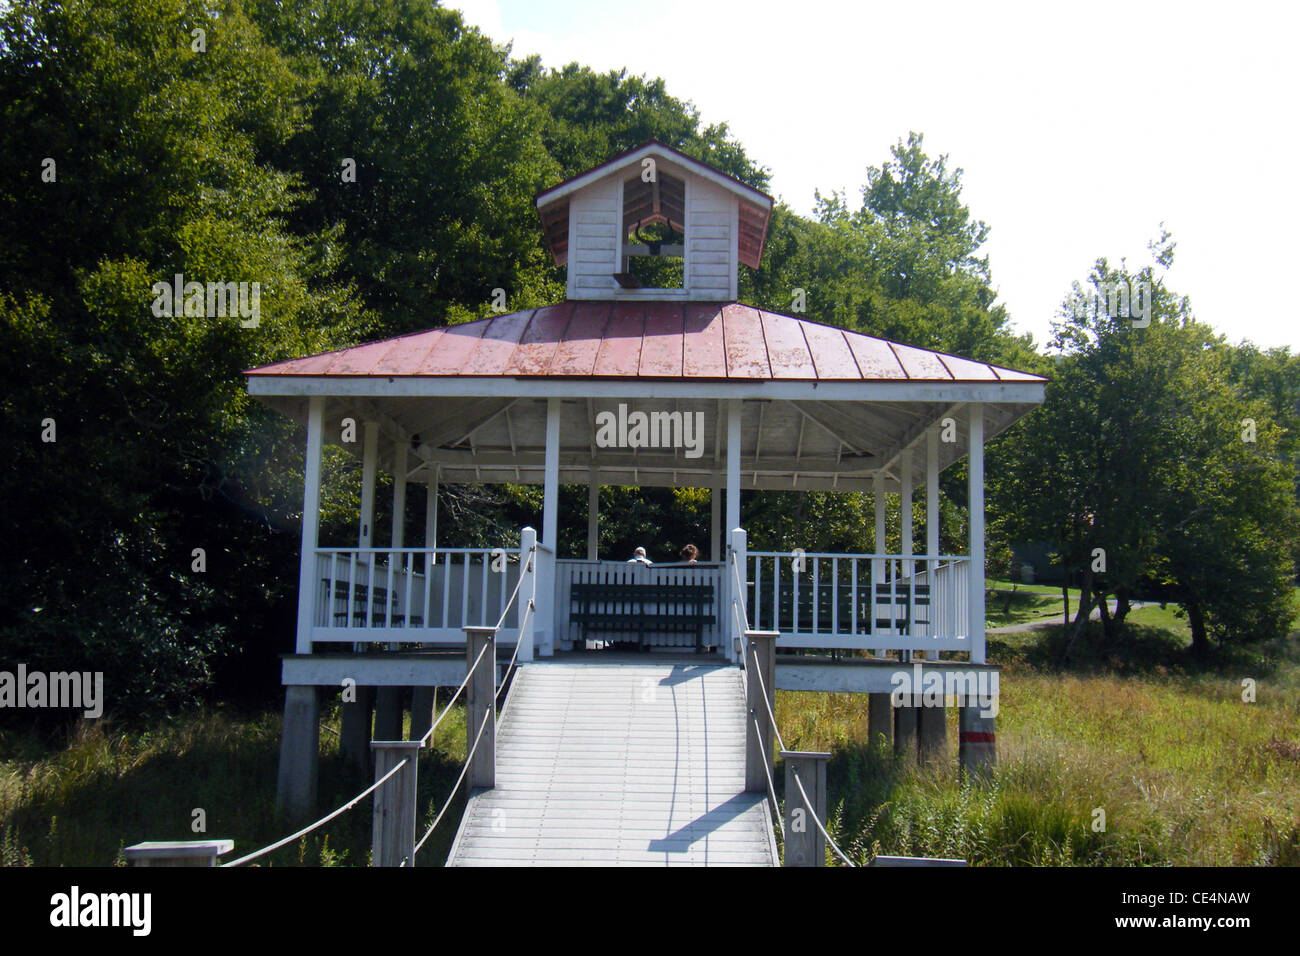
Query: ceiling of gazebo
[[792, 445]]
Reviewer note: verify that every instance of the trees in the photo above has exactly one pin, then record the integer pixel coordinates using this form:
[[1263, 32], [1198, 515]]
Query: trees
[[1140, 468]]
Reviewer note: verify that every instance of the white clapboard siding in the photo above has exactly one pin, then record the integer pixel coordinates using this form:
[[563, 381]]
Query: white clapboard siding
[[594, 253], [619, 764], [710, 238]]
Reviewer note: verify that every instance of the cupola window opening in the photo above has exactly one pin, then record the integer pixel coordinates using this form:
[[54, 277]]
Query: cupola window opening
[[654, 232]]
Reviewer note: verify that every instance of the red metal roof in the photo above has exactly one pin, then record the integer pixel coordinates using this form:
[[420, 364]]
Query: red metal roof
[[648, 340]]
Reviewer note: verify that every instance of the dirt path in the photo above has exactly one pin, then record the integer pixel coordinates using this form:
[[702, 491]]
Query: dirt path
[[1050, 621]]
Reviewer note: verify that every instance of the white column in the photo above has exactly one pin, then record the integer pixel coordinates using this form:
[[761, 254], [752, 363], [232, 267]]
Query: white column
[[398, 536], [932, 493], [737, 581], [877, 564], [431, 508], [593, 514], [369, 463], [932, 523], [905, 508], [310, 525], [733, 463], [976, 489], [545, 630], [715, 520]]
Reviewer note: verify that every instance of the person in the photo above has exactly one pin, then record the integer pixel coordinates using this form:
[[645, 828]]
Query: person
[[690, 554], [638, 557]]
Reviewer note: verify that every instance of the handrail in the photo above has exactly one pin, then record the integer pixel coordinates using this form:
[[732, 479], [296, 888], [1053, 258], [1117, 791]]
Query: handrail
[[417, 550], [812, 811], [845, 554], [469, 757], [323, 820]]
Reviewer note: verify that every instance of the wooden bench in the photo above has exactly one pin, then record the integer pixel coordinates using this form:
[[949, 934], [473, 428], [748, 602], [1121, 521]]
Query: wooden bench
[[378, 596], [640, 609], [884, 609]]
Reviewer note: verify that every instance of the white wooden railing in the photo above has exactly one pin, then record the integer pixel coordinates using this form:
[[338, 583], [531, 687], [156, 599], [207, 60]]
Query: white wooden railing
[[869, 601], [412, 594]]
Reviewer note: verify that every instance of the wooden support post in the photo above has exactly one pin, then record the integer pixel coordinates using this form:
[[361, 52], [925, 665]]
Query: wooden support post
[[354, 736], [421, 711], [977, 749], [804, 843], [715, 521], [544, 611], [307, 583], [736, 589], [388, 713], [369, 468], [905, 538], [878, 547], [392, 838], [975, 487], [593, 514], [299, 752], [734, 408], [528, 595], [760, 659], [906, 726], [480, 707], [178, 853], [932, 734], [880, 719]]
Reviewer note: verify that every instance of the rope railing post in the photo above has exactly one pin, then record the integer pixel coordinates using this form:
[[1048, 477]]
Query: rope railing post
[[527, 590], [480, 708], [392, 838], [804, 843], [760, 656], [738, 549]]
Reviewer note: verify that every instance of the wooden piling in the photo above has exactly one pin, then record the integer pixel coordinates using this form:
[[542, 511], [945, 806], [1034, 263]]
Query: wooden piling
[[804, 843]]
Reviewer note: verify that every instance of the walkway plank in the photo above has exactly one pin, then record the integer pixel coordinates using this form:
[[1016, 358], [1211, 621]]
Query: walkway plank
[[610, 764]]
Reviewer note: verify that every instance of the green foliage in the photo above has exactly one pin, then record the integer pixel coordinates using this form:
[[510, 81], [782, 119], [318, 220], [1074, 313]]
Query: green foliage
[[1142, 451]]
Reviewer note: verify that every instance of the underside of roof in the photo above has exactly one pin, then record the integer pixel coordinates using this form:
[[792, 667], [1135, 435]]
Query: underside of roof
[[785, 445], [820, 407]]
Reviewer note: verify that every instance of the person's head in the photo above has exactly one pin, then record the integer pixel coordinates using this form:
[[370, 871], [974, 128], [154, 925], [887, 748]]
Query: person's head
[[639, 553], [690, 553]]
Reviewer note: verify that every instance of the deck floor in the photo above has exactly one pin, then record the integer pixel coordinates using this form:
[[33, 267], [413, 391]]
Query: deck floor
[[620, 763]]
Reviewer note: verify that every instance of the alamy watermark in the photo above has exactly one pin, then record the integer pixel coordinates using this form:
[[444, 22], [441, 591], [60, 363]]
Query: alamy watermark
[[925, 687], [1128, 300], [213, 300], [75, 690], [651, 430]]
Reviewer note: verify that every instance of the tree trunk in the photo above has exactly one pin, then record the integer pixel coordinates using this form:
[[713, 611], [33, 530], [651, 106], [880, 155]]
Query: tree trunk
[[1107, 625], [1065, 598], [1122, 606], [1085, 611], [1196, 618]]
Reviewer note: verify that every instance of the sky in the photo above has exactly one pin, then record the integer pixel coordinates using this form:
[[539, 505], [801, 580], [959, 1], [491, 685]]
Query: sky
[[1080, 129]]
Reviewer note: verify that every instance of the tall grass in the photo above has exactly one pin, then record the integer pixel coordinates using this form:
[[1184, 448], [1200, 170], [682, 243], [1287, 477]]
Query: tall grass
[[79, 800]]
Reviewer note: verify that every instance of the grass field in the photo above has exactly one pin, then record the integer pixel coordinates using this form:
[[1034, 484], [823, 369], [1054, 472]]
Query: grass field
[[1185, 771]]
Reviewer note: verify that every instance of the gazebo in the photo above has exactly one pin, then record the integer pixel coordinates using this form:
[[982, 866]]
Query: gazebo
[[627, 385]]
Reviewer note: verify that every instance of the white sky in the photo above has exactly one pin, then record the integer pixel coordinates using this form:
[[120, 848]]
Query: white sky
[[1079, 130]]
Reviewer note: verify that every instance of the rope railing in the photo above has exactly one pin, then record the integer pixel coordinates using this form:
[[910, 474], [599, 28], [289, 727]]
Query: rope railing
[[738, 598], [323, 820], [469, 757], [812, 812], [454, 790], [771, 784], [767, 772]]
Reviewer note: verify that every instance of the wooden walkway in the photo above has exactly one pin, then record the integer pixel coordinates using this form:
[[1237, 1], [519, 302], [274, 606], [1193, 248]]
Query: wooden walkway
[[607, 764]]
